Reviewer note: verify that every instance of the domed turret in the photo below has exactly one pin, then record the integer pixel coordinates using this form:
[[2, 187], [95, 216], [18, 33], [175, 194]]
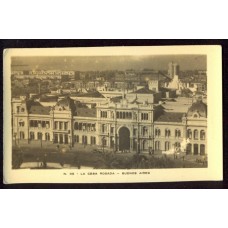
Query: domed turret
[[198, 109]]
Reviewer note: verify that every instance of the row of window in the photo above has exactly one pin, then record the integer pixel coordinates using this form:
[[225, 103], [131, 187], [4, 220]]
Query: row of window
[[61, 138], [76, 139], [39, 136], [123, 115], [168, 133], [104, 114], [20, 109], [144, 116], [39, 123], [58, 138], [196, 134], [59, 125], [64, 139], [84, 126], [104, 129], [189, 150], [158, 132], [196, 149], [32, 135]]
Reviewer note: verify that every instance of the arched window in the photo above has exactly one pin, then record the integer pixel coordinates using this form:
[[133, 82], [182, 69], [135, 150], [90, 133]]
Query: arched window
[[177, 133], [76, 126], [145, 131], [39, 136], [22, 135], [145, 145], [47, 124], [167, 146], [134, 144], [76, 138], [196, 149], [195, 116], [202, 149], [93, 140], [35, 123], [189, 148], [43, 124], [202, 135], [56, 125], [177, 144], [47, 136], [157, 145], [167, 133], [84, 139], [157, 132], [21, 123], [189, 133], [130, 115], [104, 141], [31, 123], [39, 123], [32, 136], [195, 134]]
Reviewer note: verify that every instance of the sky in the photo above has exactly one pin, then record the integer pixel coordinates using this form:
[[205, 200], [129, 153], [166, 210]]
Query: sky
[[99, 63]]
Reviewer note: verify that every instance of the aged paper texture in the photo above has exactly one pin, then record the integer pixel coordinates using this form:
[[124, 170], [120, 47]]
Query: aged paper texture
[[113, 114]]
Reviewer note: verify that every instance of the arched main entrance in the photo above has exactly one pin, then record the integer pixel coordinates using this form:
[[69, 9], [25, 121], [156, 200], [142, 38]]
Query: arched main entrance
[[124, 138]]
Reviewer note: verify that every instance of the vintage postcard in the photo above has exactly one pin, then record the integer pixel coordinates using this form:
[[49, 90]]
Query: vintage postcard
[[113, 114]]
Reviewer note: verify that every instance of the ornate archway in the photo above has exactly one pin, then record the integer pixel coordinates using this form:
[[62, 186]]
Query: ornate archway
[[124, 138]]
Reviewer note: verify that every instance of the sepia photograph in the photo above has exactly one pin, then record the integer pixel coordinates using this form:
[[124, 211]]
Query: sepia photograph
[[109, 114]]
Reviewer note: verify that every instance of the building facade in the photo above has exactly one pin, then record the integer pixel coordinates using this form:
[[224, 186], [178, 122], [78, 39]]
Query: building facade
[[130, 123]]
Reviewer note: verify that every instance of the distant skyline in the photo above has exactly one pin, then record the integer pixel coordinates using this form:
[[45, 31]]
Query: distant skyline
[[100, 63]]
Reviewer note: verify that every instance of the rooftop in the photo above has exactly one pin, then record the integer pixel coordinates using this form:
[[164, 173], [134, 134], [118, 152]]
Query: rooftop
[[86, 112], [48, 98], [90, 94], [144, 91], [170, 117], [39, 109]]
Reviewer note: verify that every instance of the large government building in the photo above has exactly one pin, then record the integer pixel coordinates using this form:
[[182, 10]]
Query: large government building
[[136, 121]]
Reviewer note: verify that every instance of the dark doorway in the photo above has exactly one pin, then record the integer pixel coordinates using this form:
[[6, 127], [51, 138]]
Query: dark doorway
[[196, 149], [61, 139], [55, 138], [66, 139], [189, 149], [202, 149], [124, 139]]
